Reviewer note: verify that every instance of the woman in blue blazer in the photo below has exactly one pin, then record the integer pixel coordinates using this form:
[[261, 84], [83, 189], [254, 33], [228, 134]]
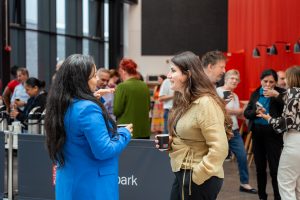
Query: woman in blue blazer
[[82, 139]]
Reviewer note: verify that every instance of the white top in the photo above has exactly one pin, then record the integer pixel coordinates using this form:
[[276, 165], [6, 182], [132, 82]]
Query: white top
[[19, 93], [233, 104], [165, 90]]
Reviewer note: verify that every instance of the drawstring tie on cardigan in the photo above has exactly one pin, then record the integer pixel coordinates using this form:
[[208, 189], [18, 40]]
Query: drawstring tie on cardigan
[[189, 160]]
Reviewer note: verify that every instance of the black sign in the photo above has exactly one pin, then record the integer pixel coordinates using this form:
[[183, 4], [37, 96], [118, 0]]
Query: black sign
[[144, 171]]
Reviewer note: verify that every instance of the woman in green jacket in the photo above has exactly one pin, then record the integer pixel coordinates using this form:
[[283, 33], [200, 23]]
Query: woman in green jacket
[[132, 100]]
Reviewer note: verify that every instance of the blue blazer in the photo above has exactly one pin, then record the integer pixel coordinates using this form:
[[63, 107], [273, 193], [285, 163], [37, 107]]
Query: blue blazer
[[91, 155]]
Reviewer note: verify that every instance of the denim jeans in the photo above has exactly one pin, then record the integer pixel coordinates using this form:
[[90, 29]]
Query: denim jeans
[[166, 114], [236, 146]]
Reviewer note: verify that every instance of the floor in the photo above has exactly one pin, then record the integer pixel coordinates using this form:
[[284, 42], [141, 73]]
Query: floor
[[230, 189]]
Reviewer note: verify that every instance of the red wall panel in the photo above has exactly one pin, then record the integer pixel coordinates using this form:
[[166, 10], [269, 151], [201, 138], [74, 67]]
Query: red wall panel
[[253, 22], [237, 61]]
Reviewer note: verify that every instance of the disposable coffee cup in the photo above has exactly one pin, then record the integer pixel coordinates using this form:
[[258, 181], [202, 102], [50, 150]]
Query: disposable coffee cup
[[226, 94], [122, 125], [163, 141]]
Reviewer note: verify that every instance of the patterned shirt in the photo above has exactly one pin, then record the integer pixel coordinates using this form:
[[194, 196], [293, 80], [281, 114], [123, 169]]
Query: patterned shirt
[[290, 118]]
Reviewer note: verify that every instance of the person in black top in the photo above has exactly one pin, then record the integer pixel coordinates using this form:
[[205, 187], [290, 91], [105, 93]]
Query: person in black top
[[35, 89], [267, 145]]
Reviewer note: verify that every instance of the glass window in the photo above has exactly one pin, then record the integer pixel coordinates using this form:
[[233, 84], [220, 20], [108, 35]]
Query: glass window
[[106, 34], [60, 16], [61, 28], [85, 13], [106, 55], [106, 21], [31, 13], [61, 48], [32, 53], [85, 47]]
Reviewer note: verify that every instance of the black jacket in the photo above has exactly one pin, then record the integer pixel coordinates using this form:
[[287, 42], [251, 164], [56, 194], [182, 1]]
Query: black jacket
[[276, 105], [32, 102]]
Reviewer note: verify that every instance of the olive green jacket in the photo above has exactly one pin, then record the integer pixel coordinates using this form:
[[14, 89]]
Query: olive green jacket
[[132, 105]]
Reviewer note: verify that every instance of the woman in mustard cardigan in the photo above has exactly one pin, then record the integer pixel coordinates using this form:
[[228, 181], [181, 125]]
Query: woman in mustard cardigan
[[196, 123]]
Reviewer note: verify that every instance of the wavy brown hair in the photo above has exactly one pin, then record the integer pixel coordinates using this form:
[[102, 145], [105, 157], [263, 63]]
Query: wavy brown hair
[[196, 86]]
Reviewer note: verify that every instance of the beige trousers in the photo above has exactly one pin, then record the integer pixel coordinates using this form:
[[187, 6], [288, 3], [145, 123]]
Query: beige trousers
[[289, 167]]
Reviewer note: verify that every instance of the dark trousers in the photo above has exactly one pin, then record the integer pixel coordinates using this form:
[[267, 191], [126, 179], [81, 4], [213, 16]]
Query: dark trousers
[[209, 190], [267, 147]]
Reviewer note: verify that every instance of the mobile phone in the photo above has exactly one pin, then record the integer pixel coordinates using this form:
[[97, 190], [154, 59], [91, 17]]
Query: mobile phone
[[122, 125], [226, 94], [259, 105]]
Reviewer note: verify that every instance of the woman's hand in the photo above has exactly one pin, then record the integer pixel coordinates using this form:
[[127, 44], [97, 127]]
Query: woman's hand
[[129, 128], [229, 98], [260, 110], [99, 93], [14, 113], [270, 93], [264, 116]]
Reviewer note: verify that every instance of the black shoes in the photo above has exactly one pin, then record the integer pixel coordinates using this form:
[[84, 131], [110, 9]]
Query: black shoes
[[251, 191]]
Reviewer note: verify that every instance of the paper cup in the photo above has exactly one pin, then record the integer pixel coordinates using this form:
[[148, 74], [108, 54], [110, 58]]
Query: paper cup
[[163, 141]]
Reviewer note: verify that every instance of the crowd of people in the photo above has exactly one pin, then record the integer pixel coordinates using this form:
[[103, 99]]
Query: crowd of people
[[22, 94], [85, 104]]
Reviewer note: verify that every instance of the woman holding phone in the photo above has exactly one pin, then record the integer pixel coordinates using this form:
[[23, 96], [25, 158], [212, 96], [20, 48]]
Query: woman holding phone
[[267, 145], [289, 124]]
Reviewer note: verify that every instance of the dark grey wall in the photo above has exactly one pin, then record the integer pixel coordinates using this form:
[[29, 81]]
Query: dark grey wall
[[171, 26]]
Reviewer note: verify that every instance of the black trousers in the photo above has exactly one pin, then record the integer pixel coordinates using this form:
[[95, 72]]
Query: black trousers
[[267, 146], [209, 190]]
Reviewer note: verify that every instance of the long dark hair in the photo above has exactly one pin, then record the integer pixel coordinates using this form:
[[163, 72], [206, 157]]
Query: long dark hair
[[71, 82], [196, 86]]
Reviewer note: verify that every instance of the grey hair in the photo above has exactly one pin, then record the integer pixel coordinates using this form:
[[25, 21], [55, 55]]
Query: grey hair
[[231, 72]]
